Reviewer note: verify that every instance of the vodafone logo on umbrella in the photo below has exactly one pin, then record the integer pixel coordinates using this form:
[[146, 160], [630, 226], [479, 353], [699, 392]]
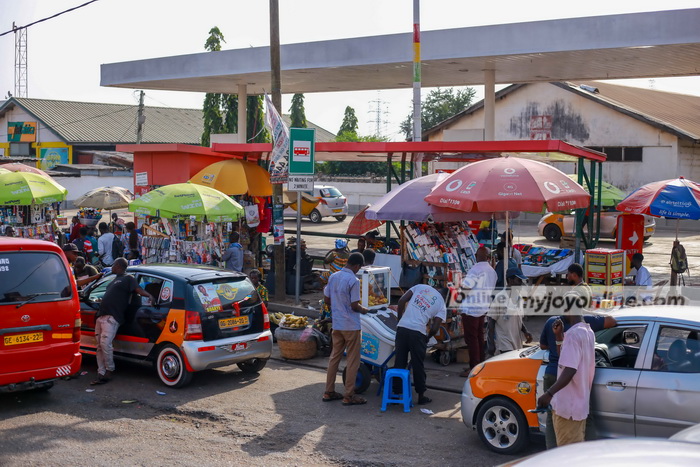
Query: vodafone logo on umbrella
[[453, 185], [509, 170], [552, 187]]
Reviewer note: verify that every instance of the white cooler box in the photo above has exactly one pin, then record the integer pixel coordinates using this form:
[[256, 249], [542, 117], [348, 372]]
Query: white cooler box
[[378, 336]]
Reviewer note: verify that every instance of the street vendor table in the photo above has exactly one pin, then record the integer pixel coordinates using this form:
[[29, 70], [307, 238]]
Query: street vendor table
[[560, 267]]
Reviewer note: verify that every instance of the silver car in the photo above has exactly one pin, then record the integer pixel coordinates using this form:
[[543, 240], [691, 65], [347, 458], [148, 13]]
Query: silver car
[[647, 381]]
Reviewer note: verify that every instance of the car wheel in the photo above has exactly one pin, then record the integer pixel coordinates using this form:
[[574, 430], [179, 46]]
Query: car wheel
[[315, 216], [502, 426], [340, 218], [363, 380], [171, 367], [552, 232], [252, 366], [646, 239]]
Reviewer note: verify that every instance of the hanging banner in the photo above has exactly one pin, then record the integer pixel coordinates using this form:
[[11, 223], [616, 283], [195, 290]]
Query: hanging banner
[[279, 160]]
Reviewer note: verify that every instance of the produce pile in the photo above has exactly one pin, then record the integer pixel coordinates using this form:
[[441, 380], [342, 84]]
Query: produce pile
[[289, 320]]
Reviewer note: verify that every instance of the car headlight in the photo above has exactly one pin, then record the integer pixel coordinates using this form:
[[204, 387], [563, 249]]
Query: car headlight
[[476, 370]]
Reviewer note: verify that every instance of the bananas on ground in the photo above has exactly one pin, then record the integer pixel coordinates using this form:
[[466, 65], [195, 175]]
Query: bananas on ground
[[275, 318], [293, 321]]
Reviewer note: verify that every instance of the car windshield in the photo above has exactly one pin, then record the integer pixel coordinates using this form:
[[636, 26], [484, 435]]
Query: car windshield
[[35, 276], [221, 294], [330, 192]]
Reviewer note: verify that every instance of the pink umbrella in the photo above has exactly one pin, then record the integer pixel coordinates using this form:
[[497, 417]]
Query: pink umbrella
[[17, 167], [507, 184]]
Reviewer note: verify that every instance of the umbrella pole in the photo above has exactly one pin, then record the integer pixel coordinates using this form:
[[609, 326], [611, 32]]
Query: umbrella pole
[[506, 253], [678, 221]]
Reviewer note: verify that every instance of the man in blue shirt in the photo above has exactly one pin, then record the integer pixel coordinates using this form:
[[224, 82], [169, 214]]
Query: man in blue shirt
[[342, 295], [548, 341], [233, 256]]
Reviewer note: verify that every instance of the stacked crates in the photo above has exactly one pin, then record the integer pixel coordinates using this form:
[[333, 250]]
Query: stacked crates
[[605, 275]]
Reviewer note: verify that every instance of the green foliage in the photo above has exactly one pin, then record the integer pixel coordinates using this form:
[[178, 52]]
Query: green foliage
[[257, 133], [298, 115], [438, 106], [230, 111], [349, 122], [213, 42], [212, 116], [353, 168]]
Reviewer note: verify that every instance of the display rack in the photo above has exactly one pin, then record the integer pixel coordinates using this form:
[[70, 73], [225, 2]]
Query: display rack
[[375, 286]]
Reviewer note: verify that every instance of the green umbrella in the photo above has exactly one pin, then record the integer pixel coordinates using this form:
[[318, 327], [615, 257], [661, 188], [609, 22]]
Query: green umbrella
[[24, 189], [610, 194], [185, 200]]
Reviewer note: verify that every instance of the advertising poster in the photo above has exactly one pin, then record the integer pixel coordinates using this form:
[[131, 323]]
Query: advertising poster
[[51, 157], [21, 132], [208, 297]]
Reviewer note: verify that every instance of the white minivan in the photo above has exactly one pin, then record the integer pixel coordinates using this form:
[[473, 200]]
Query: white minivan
[[332, 203]]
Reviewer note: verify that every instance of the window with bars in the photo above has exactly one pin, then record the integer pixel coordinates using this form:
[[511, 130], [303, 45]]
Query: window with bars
[[621, 153]]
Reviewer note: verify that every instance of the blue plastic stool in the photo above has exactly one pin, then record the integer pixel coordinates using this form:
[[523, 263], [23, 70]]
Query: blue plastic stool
[[406, 397]]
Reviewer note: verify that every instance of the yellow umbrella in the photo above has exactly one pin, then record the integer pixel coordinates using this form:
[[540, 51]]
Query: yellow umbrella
[[235, 177]]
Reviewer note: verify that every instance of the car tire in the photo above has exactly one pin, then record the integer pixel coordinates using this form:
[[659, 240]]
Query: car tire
[[252, 366], [646, 239], [552, 232], [340, 218], [363, 380], [170, 367], [315, 216], [502, 426]]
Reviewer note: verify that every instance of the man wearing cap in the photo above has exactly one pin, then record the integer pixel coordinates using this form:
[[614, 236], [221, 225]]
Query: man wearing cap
[[233, 256], [505, 318], [72, 254]]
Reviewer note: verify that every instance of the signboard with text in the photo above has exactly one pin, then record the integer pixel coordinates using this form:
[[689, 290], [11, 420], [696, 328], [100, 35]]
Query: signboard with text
[[51, 157], [21, 132], [300, 183]]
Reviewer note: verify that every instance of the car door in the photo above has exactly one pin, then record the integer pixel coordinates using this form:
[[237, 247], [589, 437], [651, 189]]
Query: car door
[[89, 305], [615, 386], [145, 322], [668, 394]]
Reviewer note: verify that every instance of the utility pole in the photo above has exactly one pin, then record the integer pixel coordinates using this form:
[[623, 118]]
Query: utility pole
[[277, 204], [140, 120], [20, 61], [379, 113], [417, 124]]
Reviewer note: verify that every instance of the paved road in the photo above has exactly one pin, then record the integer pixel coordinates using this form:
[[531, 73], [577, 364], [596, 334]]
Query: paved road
[[228, 418]]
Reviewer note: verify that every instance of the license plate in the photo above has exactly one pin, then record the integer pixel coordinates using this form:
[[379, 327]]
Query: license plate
[[24, 338], [337, 210], [649, 229], [233, 322]]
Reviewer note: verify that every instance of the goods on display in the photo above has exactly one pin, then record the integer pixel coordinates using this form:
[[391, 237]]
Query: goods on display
[[89, 216], [36, 221], [375, 286], [290, 321], [541, 256]]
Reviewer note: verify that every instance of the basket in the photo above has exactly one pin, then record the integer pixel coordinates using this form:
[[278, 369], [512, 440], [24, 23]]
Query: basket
[[89, 222], [291, 347]]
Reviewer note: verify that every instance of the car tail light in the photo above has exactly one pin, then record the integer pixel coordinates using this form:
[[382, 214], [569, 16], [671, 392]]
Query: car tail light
[[323, 201], [193, 326], [76, 328], [266, 317], [345, 201]]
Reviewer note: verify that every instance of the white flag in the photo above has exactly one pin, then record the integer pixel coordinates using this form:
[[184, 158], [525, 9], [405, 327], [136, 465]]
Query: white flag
[[279, 161]]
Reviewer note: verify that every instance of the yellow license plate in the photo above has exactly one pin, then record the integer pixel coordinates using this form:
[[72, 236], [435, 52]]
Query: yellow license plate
[[650, 229], [24, 338], [233, 322], [337, 210]]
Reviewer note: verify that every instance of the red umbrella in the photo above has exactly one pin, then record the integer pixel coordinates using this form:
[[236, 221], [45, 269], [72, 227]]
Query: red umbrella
[[17, 167], [360, 225], [508, 184]]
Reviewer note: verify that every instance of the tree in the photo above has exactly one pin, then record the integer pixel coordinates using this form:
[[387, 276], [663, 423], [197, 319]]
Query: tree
[[213, 119], [298, 115], [257, 133], [438, 106], [349, 124], [353, 168]]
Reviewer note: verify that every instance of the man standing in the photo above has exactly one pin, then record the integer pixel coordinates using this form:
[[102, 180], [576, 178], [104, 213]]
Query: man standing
[[72, 255], [342, 295], [478, 285], [548, 341], [416, 308], [505, 318], [233, 256], [111, 315], [570, 395], [104, 244]]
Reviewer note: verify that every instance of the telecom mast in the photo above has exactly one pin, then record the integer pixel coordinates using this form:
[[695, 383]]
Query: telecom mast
[[20, 61]]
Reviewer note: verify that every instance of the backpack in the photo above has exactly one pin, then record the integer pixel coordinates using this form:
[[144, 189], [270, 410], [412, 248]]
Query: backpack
[[117, 248], [679, 260]]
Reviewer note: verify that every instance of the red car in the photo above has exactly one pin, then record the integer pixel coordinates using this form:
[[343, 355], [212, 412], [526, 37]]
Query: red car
[[39, 315]]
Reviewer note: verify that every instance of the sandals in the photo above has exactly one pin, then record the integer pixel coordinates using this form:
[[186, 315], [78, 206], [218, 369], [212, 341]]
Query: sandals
[[354, 400], [331, 396]]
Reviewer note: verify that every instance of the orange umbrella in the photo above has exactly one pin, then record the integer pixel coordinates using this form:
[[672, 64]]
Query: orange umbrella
[[360, 225], [17, 167], [235, 177]]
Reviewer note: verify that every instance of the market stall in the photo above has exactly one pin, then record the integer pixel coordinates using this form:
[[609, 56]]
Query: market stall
[[185, 223], [29, 204]]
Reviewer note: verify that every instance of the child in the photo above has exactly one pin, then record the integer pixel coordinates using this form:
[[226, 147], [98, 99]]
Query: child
[[261, 289]]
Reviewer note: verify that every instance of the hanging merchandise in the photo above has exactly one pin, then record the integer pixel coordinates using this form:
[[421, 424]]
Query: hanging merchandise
[[252, 215]]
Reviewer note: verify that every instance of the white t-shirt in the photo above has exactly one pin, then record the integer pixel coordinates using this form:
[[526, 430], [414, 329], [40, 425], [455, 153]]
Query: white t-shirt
[[517, 256], [508, 318], [104, 247], [643, 277], [577, 352], [425, 304], [481, 279]]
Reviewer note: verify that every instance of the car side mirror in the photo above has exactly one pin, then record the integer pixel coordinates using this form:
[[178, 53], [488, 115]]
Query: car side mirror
[[630, 338]]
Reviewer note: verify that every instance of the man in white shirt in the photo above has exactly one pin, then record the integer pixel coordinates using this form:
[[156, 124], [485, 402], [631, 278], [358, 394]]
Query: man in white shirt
[[505, 318], [642, 279], [570, 395], [420, 304], [104, 244], [478, 286]]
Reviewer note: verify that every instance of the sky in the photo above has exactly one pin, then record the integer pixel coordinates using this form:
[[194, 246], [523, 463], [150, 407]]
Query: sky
[[65, 53]]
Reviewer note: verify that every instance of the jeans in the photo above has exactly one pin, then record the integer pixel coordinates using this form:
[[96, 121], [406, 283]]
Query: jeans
[[105, 330], [343, 340], [408, 340]]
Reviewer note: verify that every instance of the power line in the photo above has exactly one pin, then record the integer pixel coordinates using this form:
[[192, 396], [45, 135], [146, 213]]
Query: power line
[[47, 18]]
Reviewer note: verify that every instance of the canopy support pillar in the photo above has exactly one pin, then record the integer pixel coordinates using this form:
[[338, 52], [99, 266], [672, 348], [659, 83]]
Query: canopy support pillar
[[489, 105], [242, 113]]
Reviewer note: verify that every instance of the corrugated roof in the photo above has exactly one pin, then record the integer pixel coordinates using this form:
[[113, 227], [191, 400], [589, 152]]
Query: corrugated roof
[[93, 122], [672, 112]]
